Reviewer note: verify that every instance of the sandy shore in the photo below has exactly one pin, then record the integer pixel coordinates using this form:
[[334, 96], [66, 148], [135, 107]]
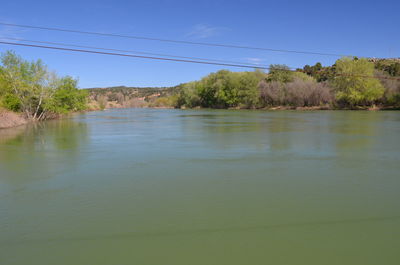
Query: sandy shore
[[10, 119]]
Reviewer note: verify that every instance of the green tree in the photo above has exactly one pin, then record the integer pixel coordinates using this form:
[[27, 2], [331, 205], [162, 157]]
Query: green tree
[[30, 88], [355, 83], [223, 89], [67, 97], [28, 81], [302, 76], [226, 89], [319, 72], [249, 95], [279, 73], [189, 95], [390, 66]]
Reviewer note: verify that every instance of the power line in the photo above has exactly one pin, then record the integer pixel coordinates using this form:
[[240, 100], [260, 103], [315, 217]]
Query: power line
[[178, 60], [134, 56], [172, 41], [129, 51]]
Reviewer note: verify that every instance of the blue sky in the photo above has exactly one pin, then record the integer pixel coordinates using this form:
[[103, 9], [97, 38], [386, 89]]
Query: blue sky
[[362, 28]]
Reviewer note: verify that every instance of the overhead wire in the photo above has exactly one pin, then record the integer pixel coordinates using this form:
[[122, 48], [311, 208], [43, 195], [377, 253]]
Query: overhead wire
[[128, 51], [222, 45], [133, 55], [178, 60]]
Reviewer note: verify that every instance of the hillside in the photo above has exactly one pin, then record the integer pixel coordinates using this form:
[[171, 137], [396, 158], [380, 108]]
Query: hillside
[[126, 97]]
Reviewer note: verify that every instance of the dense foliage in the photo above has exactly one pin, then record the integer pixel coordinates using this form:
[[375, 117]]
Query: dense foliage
[[354, 83], [256, 89], [29, 87], [390, 66], [349, 83], [223, 89]]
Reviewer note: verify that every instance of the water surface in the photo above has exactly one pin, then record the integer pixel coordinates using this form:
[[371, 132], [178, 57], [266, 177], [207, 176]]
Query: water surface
[[199, 187]]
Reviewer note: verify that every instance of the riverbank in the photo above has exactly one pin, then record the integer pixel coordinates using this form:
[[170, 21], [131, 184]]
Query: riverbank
[[370, 108], [307, 108], [10, 119]]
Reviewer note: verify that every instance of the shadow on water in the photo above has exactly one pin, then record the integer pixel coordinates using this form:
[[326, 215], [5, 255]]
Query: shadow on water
[[241, 128], [356, 137], [7, 135], [36, 151], [319, 133]]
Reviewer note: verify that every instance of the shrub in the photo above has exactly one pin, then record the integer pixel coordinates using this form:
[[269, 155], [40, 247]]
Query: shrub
[[298, 93], [272, 93], [305, 93]]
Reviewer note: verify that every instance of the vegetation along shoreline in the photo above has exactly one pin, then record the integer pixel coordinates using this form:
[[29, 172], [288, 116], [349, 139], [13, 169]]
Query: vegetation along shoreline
[[29, 92]]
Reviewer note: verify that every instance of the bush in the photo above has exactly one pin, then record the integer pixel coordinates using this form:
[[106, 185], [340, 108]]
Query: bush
[[272, 93], [301, 93], [298, 93]]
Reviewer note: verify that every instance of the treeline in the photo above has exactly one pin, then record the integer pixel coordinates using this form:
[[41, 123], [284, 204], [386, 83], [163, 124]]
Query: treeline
[[349, 83], [30, 88]]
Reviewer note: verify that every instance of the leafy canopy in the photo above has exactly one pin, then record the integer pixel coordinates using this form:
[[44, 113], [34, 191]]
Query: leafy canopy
[[31, 88], [354, 82]]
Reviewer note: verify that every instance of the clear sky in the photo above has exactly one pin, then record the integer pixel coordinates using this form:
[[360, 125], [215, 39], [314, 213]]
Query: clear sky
[[362, 28]]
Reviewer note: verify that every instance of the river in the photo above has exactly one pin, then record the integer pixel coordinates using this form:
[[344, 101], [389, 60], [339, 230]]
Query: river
[[202, 187]]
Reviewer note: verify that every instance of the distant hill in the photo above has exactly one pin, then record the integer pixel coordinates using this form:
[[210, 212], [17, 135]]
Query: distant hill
[[126, 97], [389, 60], [388, 65], [129, 91]]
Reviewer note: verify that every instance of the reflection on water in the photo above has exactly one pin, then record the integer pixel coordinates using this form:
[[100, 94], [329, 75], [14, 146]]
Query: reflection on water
[[144, 186], [35, 151]]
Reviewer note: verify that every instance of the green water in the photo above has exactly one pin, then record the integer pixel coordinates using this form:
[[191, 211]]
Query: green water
[[183, 187]]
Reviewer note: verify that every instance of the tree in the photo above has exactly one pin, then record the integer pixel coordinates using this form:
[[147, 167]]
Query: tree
[[30, 88], [279, 73], [355, 83], [67, 97], [223, 89], [391, 95], [249, 96], [390, 66], [189, 95], [319, 72], [27, 81]]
